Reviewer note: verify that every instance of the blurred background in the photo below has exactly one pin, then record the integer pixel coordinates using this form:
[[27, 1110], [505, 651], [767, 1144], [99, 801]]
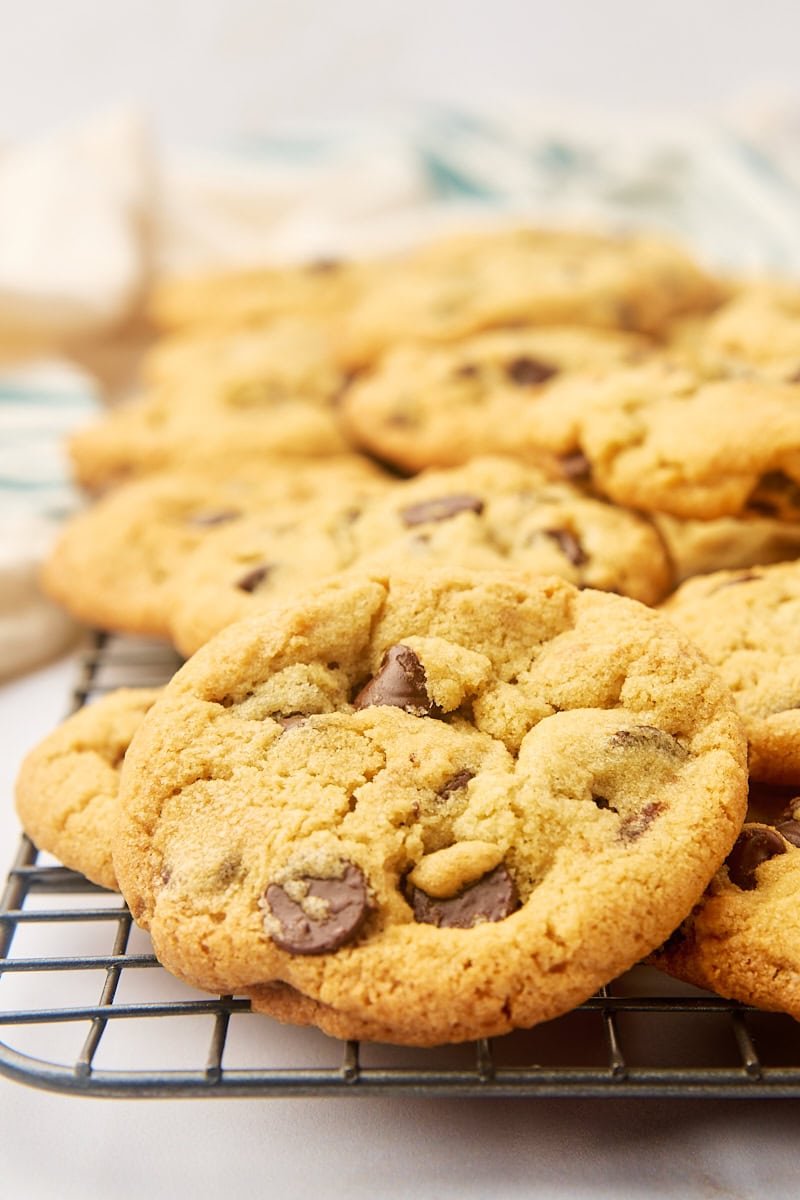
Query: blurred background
[[210, 70]]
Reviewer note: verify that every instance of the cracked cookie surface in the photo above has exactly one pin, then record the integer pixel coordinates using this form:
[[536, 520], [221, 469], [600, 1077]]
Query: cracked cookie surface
[[433, 807], [67, 790], [662, 438], [424, 406], [492, 513]]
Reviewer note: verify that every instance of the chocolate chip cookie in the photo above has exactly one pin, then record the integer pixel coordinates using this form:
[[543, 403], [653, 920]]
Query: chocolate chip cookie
[[492, 513], [529, 277], [742, 940], [67, 791], [747, 623], [436, 807], [113, 563], [663, 438], [423, 406], [274, 390]]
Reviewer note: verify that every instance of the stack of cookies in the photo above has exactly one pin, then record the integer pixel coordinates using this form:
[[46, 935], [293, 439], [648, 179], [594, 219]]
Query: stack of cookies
[[482, 560]]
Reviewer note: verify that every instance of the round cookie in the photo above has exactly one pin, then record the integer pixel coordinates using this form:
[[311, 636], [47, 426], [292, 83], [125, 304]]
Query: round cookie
[[491, 514], [67, 790], [271, 391], [748, 626], [113, 563], [528, 276], [425, 406], [662, 438], [742, 940], [443, 806]]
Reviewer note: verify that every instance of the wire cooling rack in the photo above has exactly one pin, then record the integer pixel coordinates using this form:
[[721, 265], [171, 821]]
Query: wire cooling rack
[[85, 1008]]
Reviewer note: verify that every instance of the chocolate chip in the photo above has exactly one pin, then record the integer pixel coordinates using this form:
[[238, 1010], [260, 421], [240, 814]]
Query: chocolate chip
[[490, 898], [648, 736], [635, 825], [455, 783], [790, 830], [575, 466], [346, 905], [400, 683], [774, 493], [601, 802], [250, 581], [213, 517], [754, 846], [794, 377], [569, 545], [440, 509], [526, 371]]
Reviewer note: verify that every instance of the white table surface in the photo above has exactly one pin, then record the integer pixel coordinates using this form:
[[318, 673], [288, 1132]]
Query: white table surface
[[54, 1146]]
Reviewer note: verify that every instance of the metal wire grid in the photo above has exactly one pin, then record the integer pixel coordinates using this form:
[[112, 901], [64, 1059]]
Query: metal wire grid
[[643, 1035]]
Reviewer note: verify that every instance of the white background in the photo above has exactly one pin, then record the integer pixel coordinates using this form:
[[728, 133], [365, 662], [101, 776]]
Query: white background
[[209, 71]]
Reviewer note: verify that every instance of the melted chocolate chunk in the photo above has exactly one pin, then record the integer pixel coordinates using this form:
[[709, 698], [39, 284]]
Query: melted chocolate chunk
[[569, 545], [790, 830], [794, 377], [213, 517], [775, 493], [400, 683], [576, 466], [347, 905], [634, 826], [753, 847], [250, 581], [648, 736], [490, 898], [441, 509], [455, 783], [601, 802], [526, 371]]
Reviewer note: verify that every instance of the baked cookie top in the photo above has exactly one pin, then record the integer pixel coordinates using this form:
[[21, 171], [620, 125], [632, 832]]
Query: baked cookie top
[[450, 803], [113, 563], [274, 390], [663, 438], [747, 623], [67, 790], [742, 939], [758, 329], [727, 543], [233, 300], [532, 276], [425, 406], [491, 514]]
